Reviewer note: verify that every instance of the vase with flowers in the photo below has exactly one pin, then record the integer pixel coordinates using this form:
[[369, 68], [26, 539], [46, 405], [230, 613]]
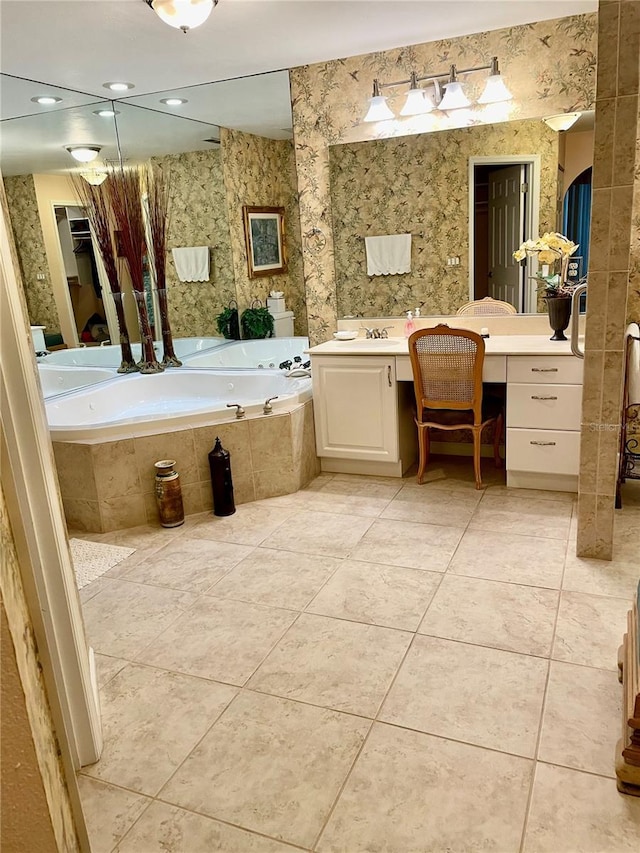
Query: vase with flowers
[[553, 251]]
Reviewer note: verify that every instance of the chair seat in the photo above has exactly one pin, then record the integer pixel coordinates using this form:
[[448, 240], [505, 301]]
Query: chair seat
[[491, 408]]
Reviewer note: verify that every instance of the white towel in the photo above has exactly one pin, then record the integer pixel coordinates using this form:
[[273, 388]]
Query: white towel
[[388, 255], [192, 263], [633, 365]]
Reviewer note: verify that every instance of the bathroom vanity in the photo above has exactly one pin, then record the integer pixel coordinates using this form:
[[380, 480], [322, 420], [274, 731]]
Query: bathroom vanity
[[363, 403]]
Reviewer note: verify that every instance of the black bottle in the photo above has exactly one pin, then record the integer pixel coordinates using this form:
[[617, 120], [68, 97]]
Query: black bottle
[[221, 482]]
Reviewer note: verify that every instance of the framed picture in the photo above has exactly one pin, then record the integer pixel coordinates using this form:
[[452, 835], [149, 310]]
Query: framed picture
[[264, 235]]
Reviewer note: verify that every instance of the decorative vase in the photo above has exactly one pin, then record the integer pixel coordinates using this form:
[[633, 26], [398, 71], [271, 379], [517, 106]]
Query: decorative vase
[[559, 308], [221, 482], [169, 494]]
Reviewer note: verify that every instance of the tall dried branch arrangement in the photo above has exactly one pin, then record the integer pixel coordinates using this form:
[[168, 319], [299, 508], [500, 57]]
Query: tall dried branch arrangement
[[158, 186], [124, 192], [94, 201]]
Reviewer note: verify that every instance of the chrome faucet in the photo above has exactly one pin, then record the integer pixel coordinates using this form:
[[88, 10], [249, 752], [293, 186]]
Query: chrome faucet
[[377, 333]]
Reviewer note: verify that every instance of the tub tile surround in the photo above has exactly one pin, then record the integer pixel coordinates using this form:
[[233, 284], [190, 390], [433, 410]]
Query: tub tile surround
[[335, 694], [109, 485]]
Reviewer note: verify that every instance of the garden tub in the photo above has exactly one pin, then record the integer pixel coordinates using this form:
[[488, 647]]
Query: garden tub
[[110, 356], [56, 379], [267, 353]]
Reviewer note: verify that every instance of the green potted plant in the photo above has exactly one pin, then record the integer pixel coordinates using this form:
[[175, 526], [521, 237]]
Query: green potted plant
[[256, 323], [227, 323]]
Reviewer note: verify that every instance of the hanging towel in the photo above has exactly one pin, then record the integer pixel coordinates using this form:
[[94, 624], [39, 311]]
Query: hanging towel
[[633, 365], [388, 255], [192, 264]]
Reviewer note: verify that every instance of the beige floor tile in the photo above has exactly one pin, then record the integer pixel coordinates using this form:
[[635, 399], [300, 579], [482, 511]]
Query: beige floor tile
[[109, 812], [528, 516], [320, 533], [581, 720], [470, 693], [151, 720], [601, 577], [496, 490], [107, 667], [488, 613], [510, 557], [449, 508], [339, 502], [270, 765], [405, 543], [590, 629], [172, 830], [342, 665], [249, 525], [626, 547], [125, 617], [220, 639], [365, 487], [573, 812], [277, 578], [93, 588], [192, 565], [410, 793], [391, 596]]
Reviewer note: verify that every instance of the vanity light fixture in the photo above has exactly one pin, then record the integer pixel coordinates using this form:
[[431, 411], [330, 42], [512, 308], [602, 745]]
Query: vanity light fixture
[[118, 86], [46, 100], [562, 121], [419, 102], [183, 14], [83, 153], [174, 102]]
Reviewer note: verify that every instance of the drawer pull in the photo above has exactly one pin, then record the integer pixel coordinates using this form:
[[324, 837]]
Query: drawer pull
[[544, 443], [544, 369], [539, 397]]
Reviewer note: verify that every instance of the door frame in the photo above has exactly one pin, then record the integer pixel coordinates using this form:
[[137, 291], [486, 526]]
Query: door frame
[[532, 208]]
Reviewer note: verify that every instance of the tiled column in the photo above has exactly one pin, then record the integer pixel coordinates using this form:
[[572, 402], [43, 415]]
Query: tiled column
[[614, 174]]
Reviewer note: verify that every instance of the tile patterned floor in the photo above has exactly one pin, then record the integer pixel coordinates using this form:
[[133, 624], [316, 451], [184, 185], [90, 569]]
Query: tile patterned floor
[[366, 665]]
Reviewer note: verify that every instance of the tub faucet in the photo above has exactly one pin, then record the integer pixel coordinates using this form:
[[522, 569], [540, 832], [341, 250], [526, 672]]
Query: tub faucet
[[268, 408], [297, 372], [240, 413]]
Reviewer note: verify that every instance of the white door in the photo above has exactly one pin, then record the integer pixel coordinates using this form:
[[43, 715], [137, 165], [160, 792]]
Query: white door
[[356, 408], [506, 229]]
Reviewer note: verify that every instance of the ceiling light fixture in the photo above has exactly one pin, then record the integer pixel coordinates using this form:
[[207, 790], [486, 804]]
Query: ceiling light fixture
[[94, 177], [562, 121], [174, 102], [46, 100], [183, 14], [83, 153], [118, 87], [418, 101], [106, 113]]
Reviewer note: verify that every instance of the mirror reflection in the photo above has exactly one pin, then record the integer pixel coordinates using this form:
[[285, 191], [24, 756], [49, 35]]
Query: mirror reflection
[[468, 197]]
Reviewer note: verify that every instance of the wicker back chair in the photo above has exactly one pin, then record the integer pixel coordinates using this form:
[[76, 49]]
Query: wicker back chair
[[447, 380], [485, 308]]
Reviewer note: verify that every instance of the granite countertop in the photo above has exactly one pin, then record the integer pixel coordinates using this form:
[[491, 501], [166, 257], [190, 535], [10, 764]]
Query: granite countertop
[[496, 345]]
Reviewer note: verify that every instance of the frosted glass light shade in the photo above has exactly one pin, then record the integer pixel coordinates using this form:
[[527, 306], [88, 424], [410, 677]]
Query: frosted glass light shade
[[94, 177], [417, 103], [378, 109], [183, 14], [454, 97], [563, 121], [495, 91], [83, 153]]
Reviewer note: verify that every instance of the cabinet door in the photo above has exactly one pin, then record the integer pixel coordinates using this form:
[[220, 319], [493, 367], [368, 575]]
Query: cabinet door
[[356, 407]]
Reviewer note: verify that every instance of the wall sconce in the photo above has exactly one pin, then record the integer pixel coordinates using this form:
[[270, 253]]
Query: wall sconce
[[418, 101], [183, 14], [562, 121], [83, 153]]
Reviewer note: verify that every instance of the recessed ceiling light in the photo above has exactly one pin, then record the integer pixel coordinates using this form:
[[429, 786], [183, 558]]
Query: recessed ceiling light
[[173, 102], [46, 100], [106, 113], [83, 153], [118, 87]]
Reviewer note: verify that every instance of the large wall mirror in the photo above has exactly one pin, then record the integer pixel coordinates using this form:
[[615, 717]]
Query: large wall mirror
[[223, 145], [468, 196]]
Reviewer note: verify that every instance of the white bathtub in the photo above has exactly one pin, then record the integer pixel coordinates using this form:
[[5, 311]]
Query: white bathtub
[[56, 379], [110, 356], [269, 353], [139, 405]]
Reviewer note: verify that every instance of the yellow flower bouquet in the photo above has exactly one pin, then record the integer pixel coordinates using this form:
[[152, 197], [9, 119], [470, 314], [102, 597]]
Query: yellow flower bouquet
[[551, 248]]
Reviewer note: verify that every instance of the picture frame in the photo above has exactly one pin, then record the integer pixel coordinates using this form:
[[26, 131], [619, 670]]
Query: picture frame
[[264, 237]]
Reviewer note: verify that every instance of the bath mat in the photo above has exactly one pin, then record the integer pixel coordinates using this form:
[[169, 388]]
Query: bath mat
[[93, 559]]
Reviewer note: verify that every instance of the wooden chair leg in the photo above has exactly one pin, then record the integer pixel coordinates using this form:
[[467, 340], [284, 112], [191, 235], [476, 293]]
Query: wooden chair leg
[[477, 444], [423, 451], [496, 439]]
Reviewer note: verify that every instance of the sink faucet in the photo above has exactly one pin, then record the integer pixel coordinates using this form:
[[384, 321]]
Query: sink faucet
[[377, 333]]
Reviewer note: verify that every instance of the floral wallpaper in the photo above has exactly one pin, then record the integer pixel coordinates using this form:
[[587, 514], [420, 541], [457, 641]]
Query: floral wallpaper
[[262, 172], [549, 67], [198, 217], [419, 184], [25, 220]]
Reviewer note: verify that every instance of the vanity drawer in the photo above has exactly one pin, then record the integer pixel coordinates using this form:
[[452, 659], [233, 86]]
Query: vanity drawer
[[494, 368], [564, 369], [556, 407], [543, 451]]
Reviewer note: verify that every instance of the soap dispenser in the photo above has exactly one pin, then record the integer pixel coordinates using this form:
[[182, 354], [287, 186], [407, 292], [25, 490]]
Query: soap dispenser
[[409, 326]]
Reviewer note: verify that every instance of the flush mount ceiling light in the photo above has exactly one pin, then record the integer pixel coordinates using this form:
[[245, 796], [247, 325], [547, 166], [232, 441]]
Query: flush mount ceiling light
[[562, 121], [106, 113], [46, 100], [419, 102], [174, 102], [83, 153], [118, 86], [183, 14], [94, 177]]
